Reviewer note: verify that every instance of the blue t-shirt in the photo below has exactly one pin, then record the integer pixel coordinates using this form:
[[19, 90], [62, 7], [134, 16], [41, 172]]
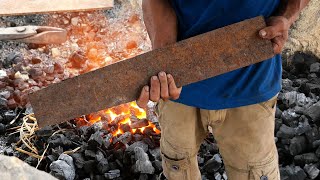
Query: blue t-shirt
[[245, 86]]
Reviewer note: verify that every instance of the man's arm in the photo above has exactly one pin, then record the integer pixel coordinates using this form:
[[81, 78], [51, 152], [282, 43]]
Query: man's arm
[[161, 23], [279, 25]]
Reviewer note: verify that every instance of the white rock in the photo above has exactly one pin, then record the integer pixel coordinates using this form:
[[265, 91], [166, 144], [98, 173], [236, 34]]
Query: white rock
[[12, 168], [74, 21], [74, 47], [55, 52], [3, 73], [24, 77]]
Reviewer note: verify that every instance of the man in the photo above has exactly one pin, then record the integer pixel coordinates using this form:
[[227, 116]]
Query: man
[[238, 107]]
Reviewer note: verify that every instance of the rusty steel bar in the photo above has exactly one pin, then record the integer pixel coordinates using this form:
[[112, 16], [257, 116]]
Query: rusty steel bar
[[189, 61]]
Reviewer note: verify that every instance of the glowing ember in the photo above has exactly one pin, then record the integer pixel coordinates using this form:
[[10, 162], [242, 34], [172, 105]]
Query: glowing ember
[[97, 41], [119, 119]]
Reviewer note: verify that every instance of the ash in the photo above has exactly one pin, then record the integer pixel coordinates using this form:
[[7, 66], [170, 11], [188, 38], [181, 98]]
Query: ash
[[85, 150]]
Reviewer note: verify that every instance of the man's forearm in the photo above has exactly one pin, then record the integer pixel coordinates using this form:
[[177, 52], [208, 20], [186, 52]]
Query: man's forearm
[[161, 22], [291, 9]]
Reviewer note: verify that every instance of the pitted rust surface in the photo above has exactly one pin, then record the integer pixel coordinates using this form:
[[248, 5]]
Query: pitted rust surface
[[189, 61]]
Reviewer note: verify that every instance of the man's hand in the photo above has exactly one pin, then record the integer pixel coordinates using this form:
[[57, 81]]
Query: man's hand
[[277, 31], [162, 87]]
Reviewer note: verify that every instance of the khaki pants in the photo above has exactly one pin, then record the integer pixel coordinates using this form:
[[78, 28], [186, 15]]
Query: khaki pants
[[245, 138]]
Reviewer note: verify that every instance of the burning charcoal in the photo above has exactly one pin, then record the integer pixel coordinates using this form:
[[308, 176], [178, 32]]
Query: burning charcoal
[[285, 132], [78, 160], [125, 127], [214, 164], [90, 154], [306, 158], [95, 139], [149, 141], [45, 131], [103, 166], [107, 141], [124, 138], [156, 154], [314, 112], [140, 144], [157, 166], [143, 164], [139, 124], [311, 170], [297, 145], [315, 68], [2, 128], [137, 137], [63, 168], [292, 173], [112, 174], [89, 166]]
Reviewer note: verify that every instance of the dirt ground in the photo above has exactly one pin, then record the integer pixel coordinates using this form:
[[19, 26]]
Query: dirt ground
[[305, 34]]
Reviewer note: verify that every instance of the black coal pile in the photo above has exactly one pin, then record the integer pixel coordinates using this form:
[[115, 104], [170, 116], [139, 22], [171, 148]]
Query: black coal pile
[[298, 118]]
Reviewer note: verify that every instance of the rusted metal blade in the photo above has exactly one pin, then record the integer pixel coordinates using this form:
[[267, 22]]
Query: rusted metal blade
[[189, 61], [19, 7]]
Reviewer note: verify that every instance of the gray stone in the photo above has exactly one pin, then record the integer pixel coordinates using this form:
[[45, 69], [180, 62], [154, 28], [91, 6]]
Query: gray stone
[[63, 167], [12, 168]]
